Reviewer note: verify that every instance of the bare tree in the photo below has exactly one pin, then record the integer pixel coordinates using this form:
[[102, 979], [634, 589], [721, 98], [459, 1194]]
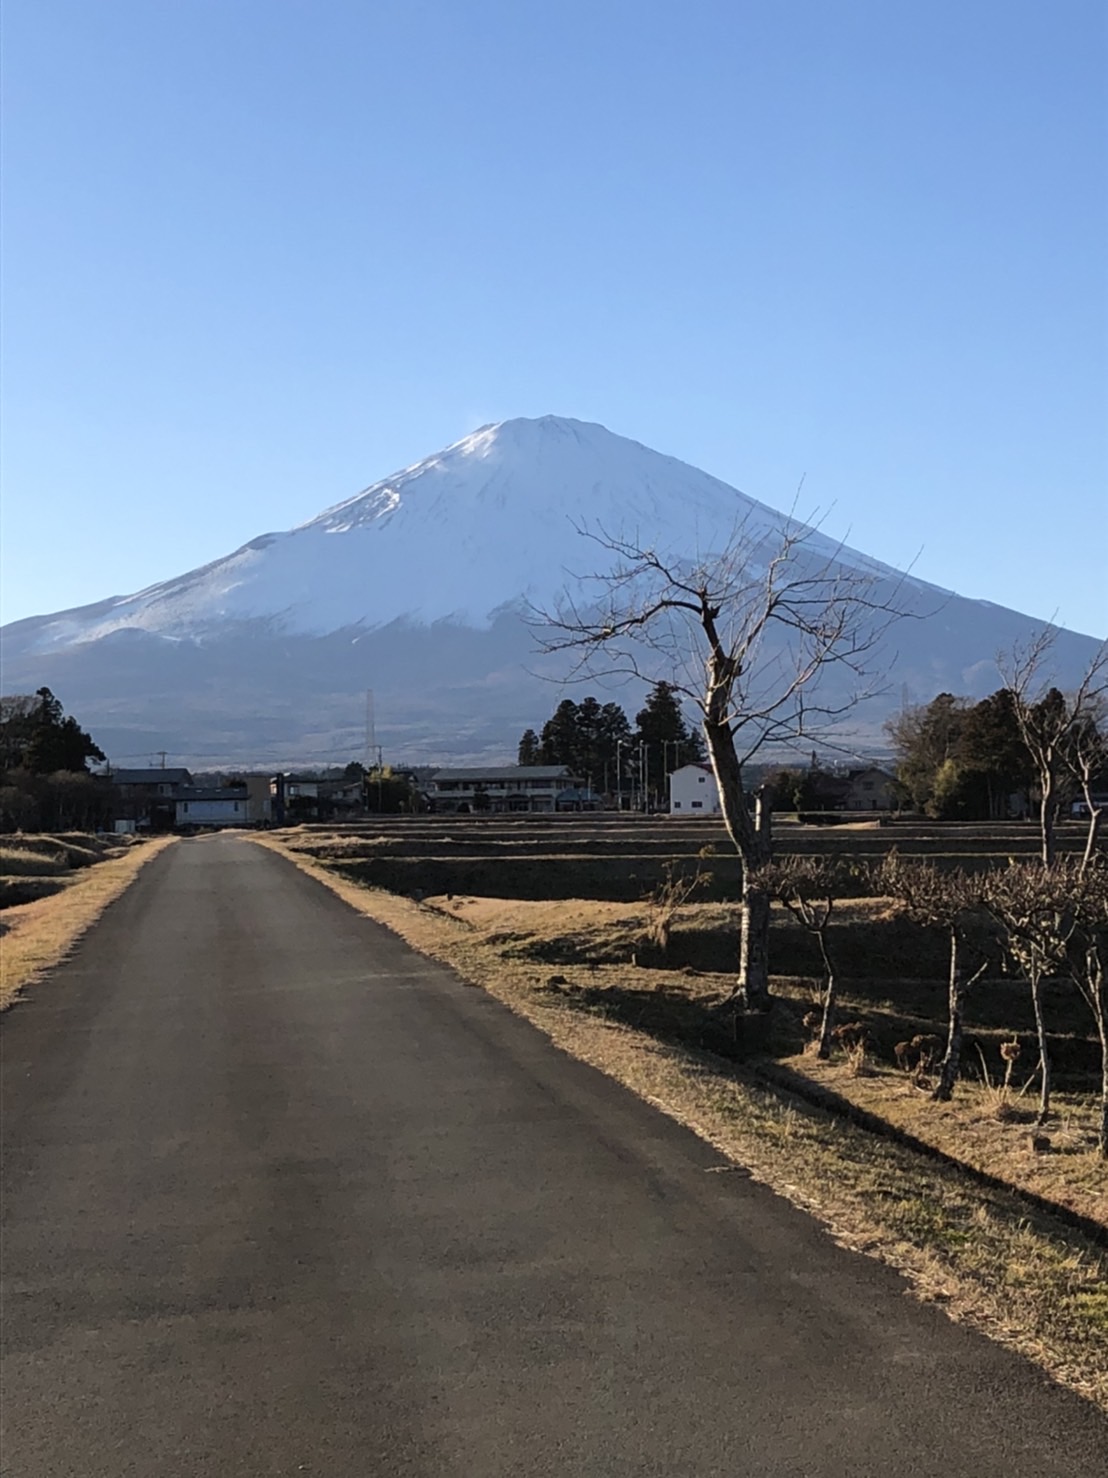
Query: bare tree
[[1061, 732], [1086, 757], [1057, 925], [1025, 901], [745, 635], [950, 900], [809, 887], [1083, 916]]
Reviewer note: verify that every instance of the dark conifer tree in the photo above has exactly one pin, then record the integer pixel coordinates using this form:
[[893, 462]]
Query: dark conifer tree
[[668, 739]]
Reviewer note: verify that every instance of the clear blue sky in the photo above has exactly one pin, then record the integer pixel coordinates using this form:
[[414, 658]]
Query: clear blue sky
[[259, 253]]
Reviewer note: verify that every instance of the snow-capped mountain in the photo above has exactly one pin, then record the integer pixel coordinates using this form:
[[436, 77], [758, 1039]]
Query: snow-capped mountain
[[416, 588]]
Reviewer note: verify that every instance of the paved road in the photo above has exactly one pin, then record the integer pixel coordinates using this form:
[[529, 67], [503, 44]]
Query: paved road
[[285, 1198]]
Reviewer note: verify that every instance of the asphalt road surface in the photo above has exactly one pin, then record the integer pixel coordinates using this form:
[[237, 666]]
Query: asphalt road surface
[[282, 1197]]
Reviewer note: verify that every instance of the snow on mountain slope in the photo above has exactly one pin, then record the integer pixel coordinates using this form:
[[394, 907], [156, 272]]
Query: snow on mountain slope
[[490, 520], [414, 588]]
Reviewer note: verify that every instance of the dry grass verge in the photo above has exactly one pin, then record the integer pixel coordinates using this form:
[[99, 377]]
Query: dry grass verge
[[38, 934], [990, 1259]]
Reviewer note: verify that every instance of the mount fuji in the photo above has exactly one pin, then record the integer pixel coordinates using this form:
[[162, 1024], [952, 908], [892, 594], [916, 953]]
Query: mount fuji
[[417, 588]]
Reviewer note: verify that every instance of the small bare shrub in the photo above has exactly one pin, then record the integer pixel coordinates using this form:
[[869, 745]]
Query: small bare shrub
[[916, 1058], [663, 903], [852, 1038], [1001, 1098]]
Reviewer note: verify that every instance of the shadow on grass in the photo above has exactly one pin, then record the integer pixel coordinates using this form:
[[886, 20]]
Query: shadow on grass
[[715, 1024], [14, 891]]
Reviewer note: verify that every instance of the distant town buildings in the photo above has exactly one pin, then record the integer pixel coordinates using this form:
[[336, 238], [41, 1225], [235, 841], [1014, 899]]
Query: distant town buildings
[[693, 791], [511, 788]]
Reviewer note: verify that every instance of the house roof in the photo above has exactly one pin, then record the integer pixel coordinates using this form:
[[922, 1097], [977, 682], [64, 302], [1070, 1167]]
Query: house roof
[[151, 777], [506, 772]]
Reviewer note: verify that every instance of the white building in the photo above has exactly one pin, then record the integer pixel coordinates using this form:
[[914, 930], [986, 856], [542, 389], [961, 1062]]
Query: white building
[[196, 807], [511, 788], [693, 792]]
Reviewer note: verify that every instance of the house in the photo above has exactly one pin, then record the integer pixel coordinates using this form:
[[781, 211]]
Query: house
[[293, 797], [340, 797], [226, 806], [693, 791], [509, 788], [864, 789], [870, 789], [147, 797], [313, 798]]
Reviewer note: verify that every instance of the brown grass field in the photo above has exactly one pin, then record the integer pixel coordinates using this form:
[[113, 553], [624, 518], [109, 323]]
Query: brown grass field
[[1008, 1230], [54, 888]]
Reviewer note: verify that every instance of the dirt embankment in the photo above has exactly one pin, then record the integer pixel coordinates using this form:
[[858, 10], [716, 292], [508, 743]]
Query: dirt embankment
[[53, 888]]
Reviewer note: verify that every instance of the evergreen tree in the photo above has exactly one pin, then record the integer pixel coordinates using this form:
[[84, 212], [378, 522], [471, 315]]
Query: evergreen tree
[[612, 727], [559, 740], [17, 718], [993, 751], [582, 736], [668, 740], [588, 738], [44, 778], [54, 742]]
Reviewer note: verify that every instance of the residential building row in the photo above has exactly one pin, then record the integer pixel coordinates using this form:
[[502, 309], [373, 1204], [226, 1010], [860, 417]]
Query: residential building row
[[169, 799]]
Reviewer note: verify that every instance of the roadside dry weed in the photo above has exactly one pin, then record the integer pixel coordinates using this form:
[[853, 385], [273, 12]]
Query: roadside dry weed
[[36, 936]]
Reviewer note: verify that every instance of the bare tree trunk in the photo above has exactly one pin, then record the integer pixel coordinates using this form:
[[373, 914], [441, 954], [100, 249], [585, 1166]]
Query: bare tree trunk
[[753, 982], [1094, 827], [751, 836], [1044, 1050], [1046, 820], [948, 1072], [1102, 1131], [827, 1024]]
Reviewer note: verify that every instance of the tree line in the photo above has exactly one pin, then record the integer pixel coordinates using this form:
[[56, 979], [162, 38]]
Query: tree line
[[596, 741], [45, 782], [958, 760]]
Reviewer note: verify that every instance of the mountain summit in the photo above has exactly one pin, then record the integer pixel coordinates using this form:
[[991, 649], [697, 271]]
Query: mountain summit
[[414, 588], [487, 521]]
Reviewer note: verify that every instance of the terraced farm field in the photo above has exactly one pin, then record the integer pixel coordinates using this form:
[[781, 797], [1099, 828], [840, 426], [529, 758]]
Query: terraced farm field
[[621, 858]]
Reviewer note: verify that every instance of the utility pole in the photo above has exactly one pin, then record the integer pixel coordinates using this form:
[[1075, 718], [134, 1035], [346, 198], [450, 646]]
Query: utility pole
[[619, 773], [370, 730]]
